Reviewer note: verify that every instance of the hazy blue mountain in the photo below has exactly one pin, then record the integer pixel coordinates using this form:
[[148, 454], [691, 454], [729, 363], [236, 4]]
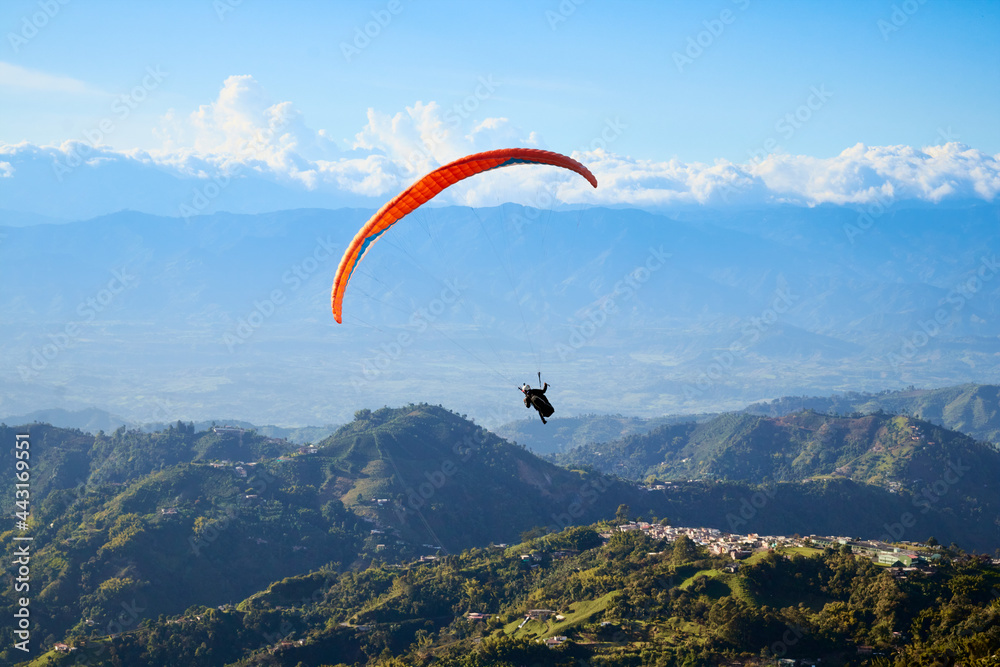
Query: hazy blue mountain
[[569, 432], [93, 420], [970, 408], [158, 319], [90, 420]]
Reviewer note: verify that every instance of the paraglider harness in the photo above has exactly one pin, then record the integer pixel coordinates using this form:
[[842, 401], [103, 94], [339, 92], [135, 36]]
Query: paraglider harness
[[536, 398]]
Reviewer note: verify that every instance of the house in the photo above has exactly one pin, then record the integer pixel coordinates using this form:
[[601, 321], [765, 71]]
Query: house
[[891, 558], [540, 614], [62, 648], [555, 641], [476, 616]]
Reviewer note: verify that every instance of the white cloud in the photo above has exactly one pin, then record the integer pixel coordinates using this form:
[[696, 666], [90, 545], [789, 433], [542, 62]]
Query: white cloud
[[245, 130], [392, 150], [859, 175], [14, 76], [862, 173], [244, 127]]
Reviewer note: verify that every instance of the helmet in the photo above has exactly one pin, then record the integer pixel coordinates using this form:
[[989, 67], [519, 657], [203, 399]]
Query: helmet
[[525, 388]]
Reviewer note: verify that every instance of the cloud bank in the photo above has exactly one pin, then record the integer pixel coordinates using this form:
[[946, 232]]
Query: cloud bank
[[246, 136]]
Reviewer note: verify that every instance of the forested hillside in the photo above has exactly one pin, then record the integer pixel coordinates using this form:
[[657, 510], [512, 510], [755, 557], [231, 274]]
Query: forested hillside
[[574, 598], [973, 409], [129, 526]]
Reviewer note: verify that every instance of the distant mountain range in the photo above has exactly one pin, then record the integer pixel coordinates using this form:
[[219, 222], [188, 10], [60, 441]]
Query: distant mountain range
[[623, 311], [935, 468], [971, 409], [93, 420]]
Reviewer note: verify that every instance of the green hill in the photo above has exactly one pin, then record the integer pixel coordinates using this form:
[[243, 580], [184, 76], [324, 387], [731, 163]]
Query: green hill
[[891, 451], [157, 522], [628, 600], [129, 526], [565, 433], [934, 474], [972, 409], [453, 484]]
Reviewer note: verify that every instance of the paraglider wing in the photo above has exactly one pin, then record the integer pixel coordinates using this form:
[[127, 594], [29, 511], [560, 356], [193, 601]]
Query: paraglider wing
[[426, 189]]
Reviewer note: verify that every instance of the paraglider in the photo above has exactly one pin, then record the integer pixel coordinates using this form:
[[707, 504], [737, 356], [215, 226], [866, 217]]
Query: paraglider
[[535, 398], [426, 189]]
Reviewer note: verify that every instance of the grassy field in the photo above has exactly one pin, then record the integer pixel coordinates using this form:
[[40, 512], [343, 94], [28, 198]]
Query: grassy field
[[579, 613], [802, 551]]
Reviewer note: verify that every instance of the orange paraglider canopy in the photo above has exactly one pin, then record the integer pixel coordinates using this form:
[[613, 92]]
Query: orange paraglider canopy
[[426, 189]]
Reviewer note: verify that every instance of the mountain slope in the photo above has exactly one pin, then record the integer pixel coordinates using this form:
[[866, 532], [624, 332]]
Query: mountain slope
[[445, 478], [970, 408], [935, 472], [623, 310], [632, 599]]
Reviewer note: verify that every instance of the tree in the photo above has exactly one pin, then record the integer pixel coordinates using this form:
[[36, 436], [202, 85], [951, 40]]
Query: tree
[[623, 514], [932, 541], [685, 550]]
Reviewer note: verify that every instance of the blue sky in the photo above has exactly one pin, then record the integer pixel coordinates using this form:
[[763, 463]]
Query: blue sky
[[693, 82], [940, 69]]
